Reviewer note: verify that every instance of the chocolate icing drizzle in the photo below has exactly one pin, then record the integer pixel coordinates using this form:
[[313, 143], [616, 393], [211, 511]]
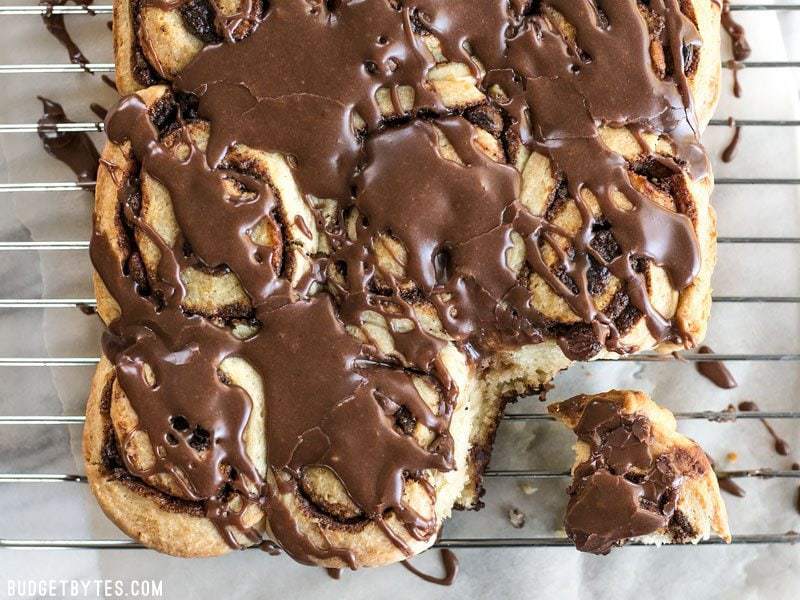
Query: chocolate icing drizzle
[[622, 490], [74, 148], [715, 371], [456, 221]]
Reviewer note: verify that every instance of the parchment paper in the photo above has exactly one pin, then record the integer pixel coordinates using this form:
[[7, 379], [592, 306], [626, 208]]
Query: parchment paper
[[67, 511]]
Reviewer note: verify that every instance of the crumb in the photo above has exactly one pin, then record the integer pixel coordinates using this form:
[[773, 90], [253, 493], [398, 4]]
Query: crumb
[[517, 518], [527, 488], [732, 457]]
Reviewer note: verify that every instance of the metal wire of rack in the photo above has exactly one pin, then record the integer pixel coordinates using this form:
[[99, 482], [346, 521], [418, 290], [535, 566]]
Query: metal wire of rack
[[789, 537]]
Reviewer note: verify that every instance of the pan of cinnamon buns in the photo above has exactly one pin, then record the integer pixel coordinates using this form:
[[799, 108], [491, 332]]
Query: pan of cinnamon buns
[[333, 239]]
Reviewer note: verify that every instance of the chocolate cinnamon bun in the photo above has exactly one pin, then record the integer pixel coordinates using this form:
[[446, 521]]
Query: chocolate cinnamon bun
[[635, 477]]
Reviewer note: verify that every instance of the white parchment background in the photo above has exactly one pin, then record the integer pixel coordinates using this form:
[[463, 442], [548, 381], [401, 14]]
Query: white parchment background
[[67, 511]]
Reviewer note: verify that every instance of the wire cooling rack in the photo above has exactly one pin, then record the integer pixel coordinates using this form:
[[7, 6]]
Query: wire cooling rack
[[755, 302]]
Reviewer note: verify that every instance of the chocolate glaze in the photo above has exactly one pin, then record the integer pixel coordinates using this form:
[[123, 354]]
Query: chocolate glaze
[[781, 446], [450, 564], [730, 149], [55, 25], [622, 491], [75, 149], [455, 221], [715, 371], [739, 46]]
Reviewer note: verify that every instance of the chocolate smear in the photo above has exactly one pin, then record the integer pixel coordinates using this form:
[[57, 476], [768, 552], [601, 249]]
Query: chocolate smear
[[74, 148], [715, 371], [449, 562]]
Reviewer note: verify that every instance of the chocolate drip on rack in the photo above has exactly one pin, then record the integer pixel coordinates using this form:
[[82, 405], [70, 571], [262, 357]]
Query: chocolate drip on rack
[[729, 485], [449, 562], [715, 371], [87, 309], [781, 445], [735, 67], [74, 148], [56, 27], [109, 82], [99, 110], [739, 45], [389, 173], [730, 150]]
